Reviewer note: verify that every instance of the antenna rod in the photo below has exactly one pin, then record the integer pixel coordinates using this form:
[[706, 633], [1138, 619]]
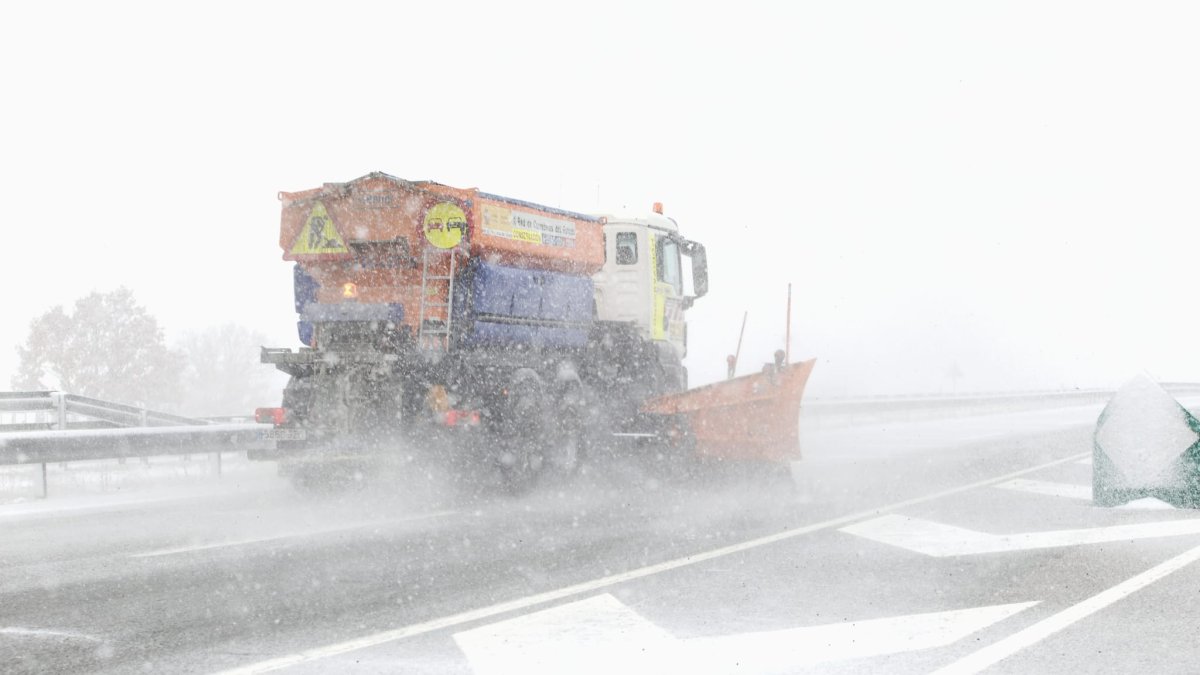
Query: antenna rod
[[736, 354], [787, 345]]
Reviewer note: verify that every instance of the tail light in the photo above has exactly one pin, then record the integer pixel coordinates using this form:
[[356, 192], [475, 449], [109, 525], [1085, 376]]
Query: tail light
[[467, 418], [274, 416]]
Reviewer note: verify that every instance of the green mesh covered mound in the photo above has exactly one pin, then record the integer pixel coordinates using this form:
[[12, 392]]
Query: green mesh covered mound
[[1146, 445]]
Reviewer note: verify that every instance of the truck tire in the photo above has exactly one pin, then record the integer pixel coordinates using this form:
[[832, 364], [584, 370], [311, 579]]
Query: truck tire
[[522, 432], [567, 435]]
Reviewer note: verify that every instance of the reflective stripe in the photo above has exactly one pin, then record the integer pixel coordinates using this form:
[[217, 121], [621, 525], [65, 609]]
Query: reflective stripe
[[658, 328]]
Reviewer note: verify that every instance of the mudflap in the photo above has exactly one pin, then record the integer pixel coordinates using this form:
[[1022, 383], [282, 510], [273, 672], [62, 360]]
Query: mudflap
[[329, 462], [749, 418], [327, 469], [317, 475]]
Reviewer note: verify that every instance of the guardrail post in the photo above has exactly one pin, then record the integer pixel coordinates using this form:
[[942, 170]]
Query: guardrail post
[[59, 399], [60, 407]]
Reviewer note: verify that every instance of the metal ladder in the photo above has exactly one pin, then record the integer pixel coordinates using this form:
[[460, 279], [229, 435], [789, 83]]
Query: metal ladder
[[434, 334]]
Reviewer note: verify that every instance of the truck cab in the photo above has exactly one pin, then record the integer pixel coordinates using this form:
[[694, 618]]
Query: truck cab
[[641, 284]]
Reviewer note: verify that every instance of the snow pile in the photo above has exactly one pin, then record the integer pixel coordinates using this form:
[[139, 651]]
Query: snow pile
[[1143, 432]]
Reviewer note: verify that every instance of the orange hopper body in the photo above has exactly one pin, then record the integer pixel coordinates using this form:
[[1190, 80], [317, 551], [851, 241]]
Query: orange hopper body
[[365, 241]]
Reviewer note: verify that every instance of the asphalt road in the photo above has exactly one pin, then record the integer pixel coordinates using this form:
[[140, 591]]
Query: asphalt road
[[885, 552]]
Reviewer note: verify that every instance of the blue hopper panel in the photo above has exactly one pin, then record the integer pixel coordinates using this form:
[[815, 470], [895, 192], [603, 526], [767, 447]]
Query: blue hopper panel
[[305, 329], [530, 294], [304, 288], [487, 333]]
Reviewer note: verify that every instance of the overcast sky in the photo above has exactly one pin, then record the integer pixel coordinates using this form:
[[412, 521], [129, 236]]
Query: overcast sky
[[1009, 187]]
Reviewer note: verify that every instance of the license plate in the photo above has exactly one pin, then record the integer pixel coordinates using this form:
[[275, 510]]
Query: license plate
[[282, 434]]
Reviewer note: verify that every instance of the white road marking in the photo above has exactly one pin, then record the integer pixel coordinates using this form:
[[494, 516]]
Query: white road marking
[[601, 635], [43, 633], [1087, 461], [41, 508], [597, 635], [1044, 487], [998, 651], [943, 541], [289, 535], [517, 604]]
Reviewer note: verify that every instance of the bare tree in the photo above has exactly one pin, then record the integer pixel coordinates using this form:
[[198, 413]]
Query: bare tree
[[223, 375], [108, 347]]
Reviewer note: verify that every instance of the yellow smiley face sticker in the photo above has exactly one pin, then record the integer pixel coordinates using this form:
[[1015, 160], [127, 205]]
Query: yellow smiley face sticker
[[445, 224]]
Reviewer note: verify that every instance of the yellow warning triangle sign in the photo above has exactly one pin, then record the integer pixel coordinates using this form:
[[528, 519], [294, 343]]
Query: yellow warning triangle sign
[[318, 234]]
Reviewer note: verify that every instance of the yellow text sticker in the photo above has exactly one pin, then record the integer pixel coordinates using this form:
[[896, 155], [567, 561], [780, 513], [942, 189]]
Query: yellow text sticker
[[527, 235]]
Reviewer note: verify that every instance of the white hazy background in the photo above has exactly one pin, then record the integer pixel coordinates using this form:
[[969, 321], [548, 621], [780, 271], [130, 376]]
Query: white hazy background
[[1007, 190]]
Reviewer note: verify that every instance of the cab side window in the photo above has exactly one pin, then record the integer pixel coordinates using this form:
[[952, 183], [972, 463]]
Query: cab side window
[[669, 270], [627, 253]]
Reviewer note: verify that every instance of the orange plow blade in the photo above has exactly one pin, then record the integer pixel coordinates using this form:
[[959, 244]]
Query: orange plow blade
[[753, 417]]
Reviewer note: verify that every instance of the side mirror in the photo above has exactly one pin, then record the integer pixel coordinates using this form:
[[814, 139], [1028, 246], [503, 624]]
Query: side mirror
[[695, 251]]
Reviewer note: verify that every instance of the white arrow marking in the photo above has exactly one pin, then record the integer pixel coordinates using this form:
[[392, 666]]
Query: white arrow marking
[[942, 541], [1044, 487], [602, 635], [998, 651]]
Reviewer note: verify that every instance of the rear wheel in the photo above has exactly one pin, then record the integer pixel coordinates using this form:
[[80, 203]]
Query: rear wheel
[[521, 453]]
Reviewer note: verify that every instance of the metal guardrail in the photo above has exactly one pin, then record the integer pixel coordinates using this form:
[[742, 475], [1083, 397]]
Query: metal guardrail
[[78, 428], [73, 428], [1175, 388], [66, 409], [39, 447], [849, 411]]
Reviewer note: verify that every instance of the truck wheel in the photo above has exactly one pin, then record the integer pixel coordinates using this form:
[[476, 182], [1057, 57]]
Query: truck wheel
[[566, 439], [521, 448]]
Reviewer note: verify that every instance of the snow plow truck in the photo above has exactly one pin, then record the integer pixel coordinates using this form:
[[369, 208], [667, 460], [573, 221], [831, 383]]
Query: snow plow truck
[[527, 335]]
